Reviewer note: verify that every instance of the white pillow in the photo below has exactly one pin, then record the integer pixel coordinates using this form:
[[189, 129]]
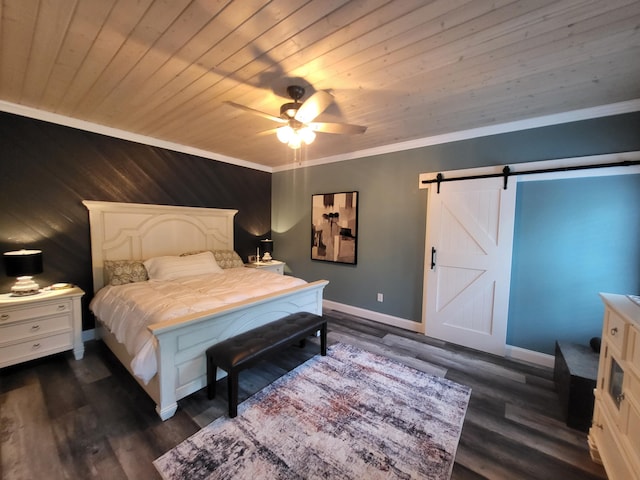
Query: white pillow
[[170, 268]]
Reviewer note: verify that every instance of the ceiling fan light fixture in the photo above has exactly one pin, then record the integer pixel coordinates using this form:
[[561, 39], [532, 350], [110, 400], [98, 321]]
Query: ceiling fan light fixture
[[285, 133], [295, 141], [307, 135], [294, 137]]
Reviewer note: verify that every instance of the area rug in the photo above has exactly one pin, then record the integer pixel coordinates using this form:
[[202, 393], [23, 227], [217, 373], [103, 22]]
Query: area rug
[[349, 415]]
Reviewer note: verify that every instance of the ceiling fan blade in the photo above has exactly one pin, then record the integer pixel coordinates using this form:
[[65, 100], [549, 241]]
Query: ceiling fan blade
[[314, 106], [256, 112], [271, 131], [336, 128]]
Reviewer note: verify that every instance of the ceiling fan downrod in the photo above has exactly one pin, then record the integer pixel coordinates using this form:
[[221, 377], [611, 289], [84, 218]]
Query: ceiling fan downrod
[[289, 110]]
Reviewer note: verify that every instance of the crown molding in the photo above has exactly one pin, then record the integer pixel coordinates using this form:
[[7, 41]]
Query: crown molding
[[56, 118], [536, 122]]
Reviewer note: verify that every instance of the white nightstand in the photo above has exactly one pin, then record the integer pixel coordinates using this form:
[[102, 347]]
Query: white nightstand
[[38, 325], [273, 266]]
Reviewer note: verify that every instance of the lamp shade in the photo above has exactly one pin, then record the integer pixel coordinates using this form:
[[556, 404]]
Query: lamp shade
[[267, 246], [23, 262]]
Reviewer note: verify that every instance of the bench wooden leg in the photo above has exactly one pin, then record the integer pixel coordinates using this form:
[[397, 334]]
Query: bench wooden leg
[[323, 339], [232, 387], [212, 370]]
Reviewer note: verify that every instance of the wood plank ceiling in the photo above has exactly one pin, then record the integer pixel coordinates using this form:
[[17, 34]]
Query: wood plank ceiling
[[407, 69]]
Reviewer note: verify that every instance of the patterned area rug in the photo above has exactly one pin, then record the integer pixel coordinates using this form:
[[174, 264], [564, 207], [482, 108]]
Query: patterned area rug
[[349, 415]]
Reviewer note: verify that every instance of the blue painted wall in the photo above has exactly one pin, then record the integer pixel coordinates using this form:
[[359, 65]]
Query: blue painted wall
[[392, 217], [573, 238]]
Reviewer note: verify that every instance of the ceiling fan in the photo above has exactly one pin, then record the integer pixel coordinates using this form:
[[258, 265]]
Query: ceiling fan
[[297, 118]]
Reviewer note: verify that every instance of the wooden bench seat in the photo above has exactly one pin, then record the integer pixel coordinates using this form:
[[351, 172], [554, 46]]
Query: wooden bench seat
[[242, 351]]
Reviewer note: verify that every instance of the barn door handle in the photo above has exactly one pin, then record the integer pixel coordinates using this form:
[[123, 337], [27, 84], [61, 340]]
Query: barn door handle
[[433, 257]]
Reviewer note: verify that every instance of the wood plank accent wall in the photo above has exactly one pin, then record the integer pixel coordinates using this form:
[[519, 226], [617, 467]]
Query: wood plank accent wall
[[46, 170]]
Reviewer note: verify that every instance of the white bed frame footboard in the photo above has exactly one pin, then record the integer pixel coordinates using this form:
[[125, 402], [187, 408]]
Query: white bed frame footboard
[[122, 231]]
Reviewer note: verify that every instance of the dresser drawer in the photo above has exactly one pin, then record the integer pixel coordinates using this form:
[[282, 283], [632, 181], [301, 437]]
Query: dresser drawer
[[614, 331], [633, 351], [610, 451], [17, 331], [21, 352], [278, 269], [632, 438], [16, 314], [631, 388]]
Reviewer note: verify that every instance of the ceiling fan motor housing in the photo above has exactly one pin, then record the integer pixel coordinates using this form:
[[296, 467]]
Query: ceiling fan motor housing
[[296, 92]]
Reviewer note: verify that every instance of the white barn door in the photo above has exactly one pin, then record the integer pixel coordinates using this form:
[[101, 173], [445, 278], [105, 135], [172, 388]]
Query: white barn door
[[468, 262]]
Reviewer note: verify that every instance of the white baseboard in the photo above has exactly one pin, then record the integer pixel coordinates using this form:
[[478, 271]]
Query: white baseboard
[[515, 353], [377, 316], [530, 356]]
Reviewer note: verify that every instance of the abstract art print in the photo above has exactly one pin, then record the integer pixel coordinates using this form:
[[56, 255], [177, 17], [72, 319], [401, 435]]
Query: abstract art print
[[334, 227]]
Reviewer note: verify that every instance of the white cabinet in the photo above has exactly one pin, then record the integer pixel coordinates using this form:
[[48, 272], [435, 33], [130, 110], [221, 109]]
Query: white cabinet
[[38, 325], [614, 436], [273, 266]]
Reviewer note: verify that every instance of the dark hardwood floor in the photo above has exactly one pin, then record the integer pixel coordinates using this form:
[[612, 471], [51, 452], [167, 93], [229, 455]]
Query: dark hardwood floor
[[67, 419]]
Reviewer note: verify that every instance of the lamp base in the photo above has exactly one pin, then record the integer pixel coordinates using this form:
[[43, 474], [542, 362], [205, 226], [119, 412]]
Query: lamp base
[[25, 286], [266, 257]]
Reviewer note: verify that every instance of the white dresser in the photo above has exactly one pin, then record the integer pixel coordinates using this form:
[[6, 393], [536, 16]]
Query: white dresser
[[614, 436], [38, 325]]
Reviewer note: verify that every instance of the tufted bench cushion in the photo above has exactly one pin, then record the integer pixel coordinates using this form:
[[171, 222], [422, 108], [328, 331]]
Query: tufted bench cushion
[[237, 353]]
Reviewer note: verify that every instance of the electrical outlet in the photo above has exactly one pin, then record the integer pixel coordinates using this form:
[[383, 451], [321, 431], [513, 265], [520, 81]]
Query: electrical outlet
[[380, 297]]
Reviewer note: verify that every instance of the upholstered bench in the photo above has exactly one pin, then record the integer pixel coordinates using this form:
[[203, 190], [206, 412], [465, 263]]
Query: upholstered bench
[[242, 351]]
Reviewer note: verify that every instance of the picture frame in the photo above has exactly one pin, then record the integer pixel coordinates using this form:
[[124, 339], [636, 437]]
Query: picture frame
[[334, 227]]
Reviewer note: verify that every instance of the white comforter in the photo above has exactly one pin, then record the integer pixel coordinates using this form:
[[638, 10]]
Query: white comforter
[[128, 309]]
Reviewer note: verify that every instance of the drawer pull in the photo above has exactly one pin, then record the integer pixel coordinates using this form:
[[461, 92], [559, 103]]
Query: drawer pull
[[35, 328], [4, 316], [61, 307], [598, 425], [614, 330], [36, 346]]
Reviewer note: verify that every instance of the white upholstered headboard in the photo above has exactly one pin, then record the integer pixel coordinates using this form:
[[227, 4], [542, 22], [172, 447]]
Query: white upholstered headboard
[[134, 231]]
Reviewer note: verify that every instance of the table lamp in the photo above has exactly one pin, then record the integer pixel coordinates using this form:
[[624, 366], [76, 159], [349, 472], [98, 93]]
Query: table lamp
[[267, 249], [23, 264]]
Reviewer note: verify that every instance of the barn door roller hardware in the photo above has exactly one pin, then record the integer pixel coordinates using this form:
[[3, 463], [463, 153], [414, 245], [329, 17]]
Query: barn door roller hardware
[[506, 172]]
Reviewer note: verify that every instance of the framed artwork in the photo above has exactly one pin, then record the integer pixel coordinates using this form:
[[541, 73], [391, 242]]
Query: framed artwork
[[334, 227]]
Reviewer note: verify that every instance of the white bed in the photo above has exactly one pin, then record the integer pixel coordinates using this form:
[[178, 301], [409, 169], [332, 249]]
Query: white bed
[[121, 231]]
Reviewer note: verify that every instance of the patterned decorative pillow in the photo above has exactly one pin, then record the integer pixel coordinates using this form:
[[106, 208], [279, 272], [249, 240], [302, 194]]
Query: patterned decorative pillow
[[120, 272], [228, 259], [224, 258]]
